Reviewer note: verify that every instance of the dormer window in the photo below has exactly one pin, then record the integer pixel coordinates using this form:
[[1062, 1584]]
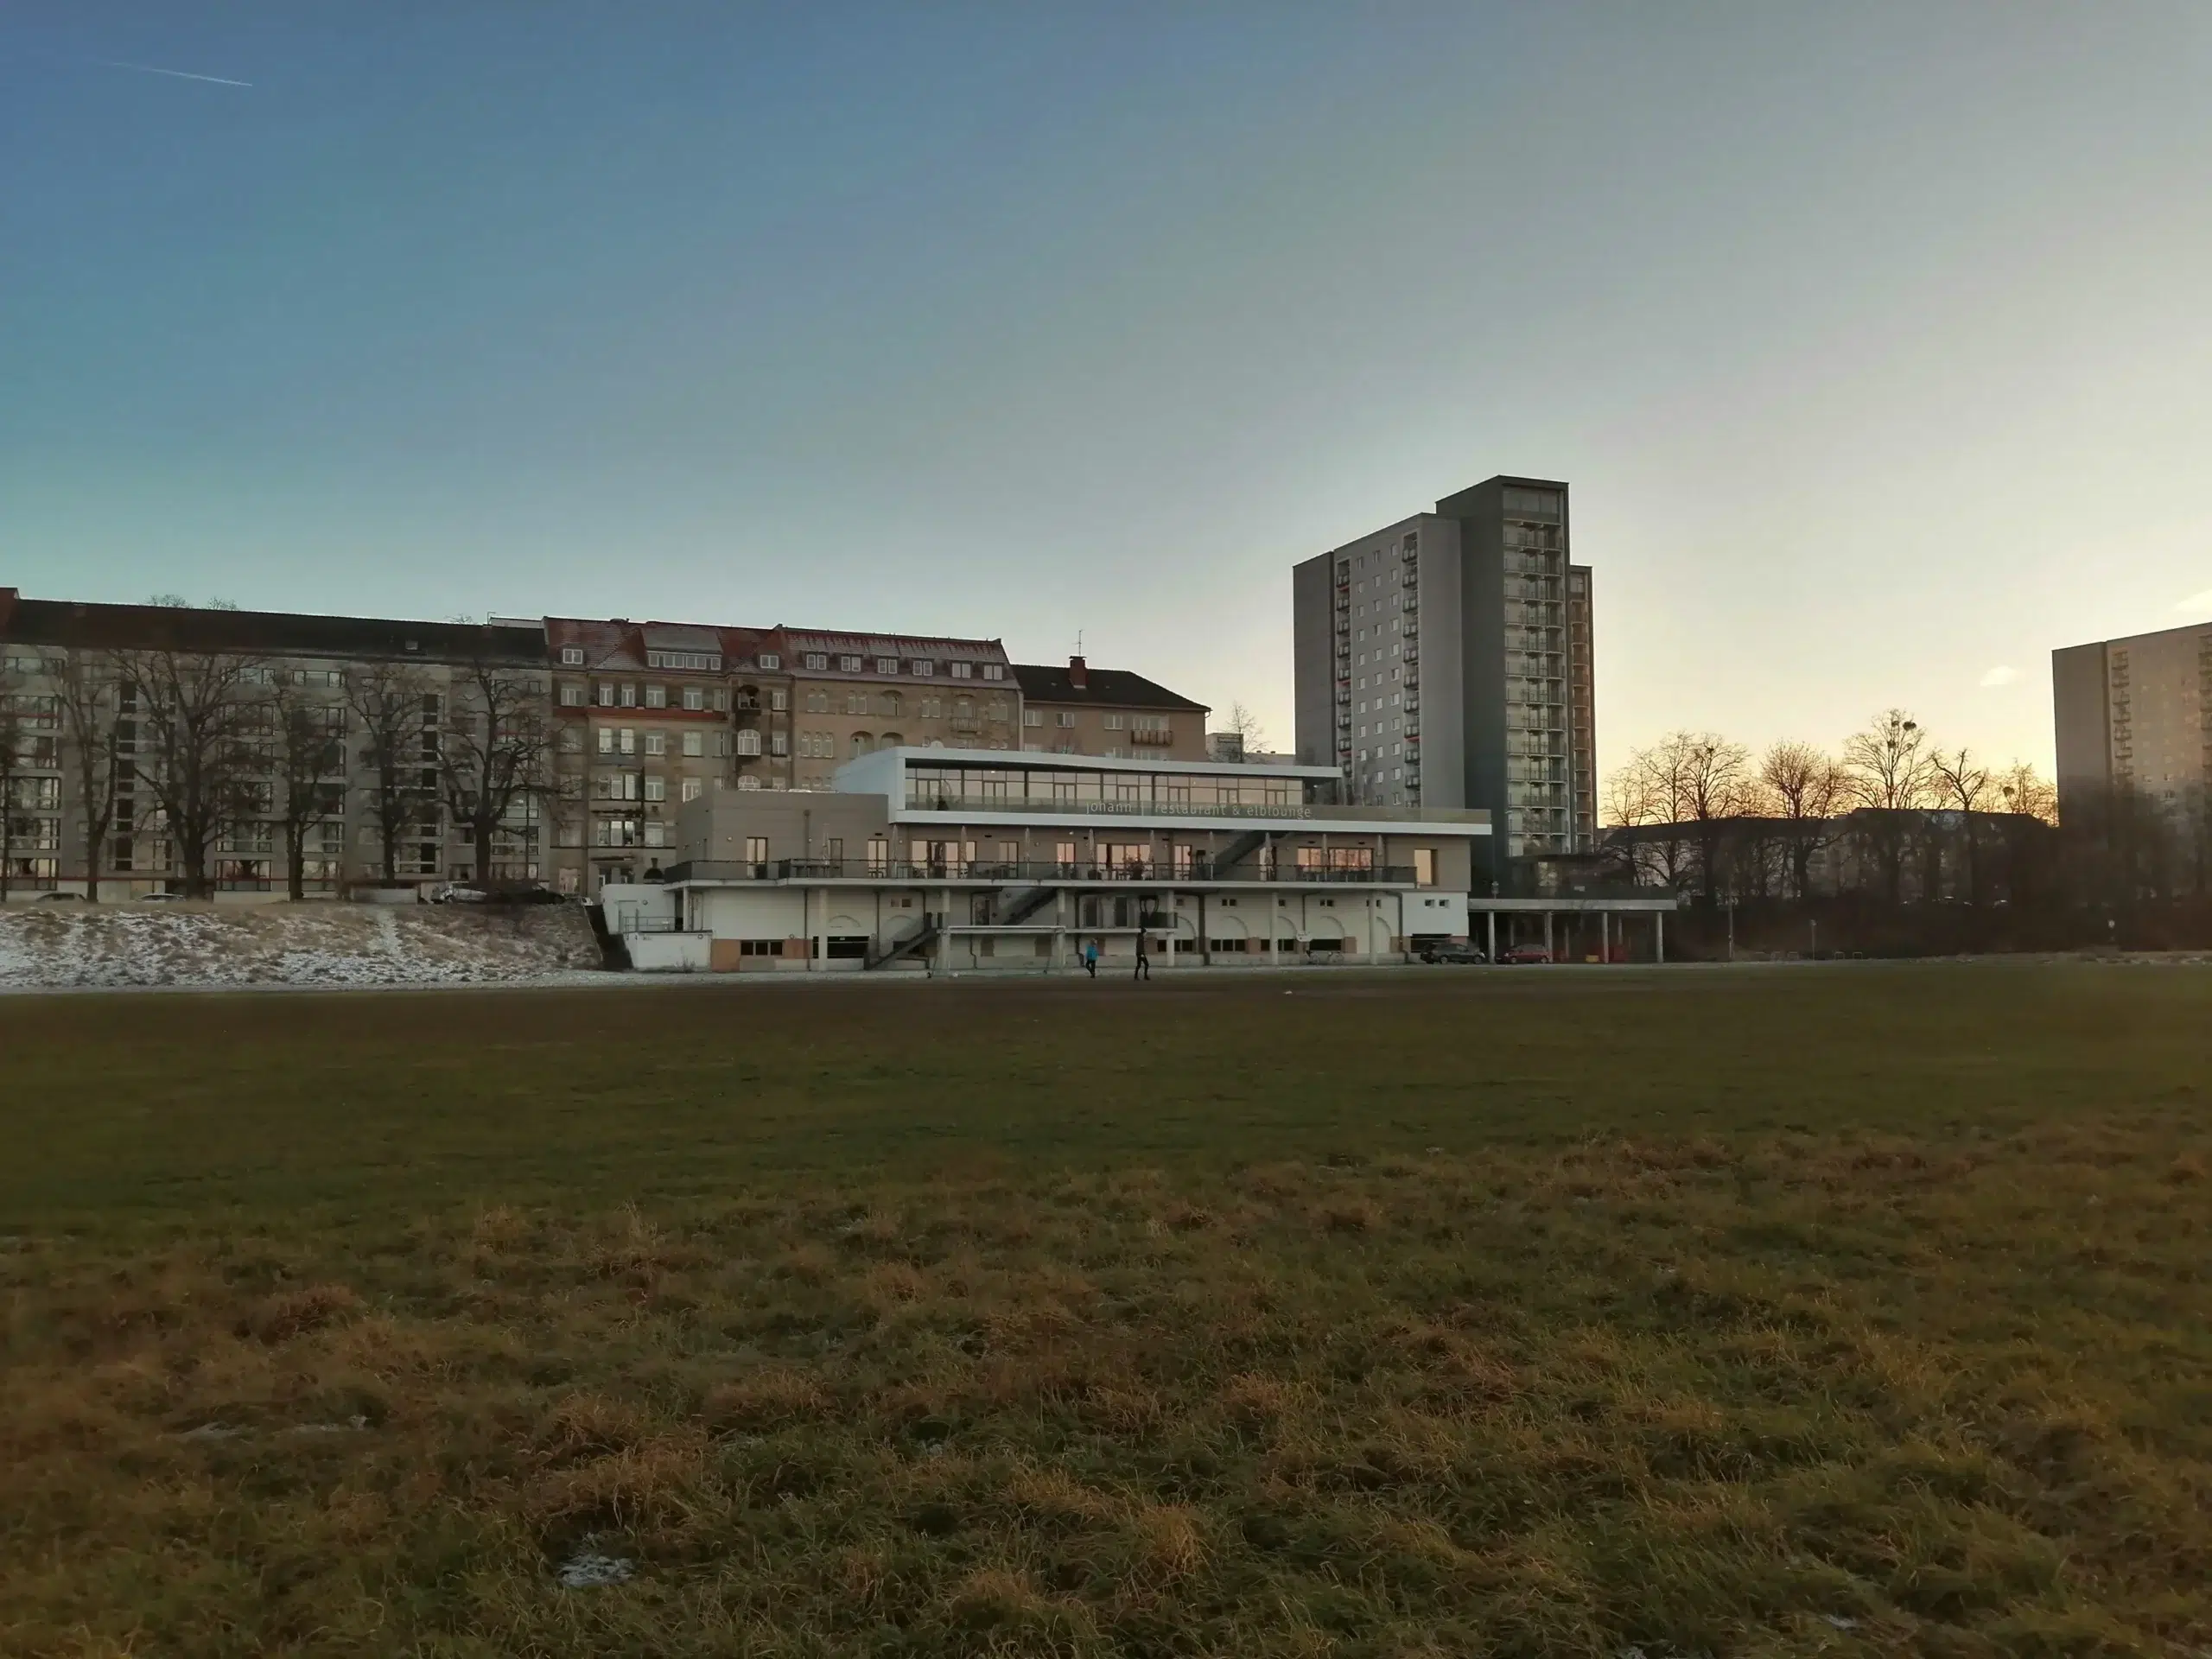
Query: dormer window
[[923, 669], [816, 660], [572, 656]]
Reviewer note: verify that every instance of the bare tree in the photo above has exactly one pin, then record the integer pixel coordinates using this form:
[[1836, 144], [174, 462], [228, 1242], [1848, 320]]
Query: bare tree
[[2032, 807], [1250, 734], [1652, 792], [198, 750], [1715, 785], [307, 760], [15, 744], [492, 751], [1805, 786], [2025, 791], [91, 720], [1961, 782], [388, 700], [1888, 771]]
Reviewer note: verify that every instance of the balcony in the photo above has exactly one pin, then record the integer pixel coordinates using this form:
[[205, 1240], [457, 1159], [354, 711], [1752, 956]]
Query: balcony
[[1151, 737], [1080, 874]]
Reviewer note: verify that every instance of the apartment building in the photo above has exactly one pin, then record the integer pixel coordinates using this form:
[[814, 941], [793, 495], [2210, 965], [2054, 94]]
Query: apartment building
[[322, 662], [1445, 661], [2135, 715], [855, 693], [641, 717], [1080, 710], [967, 859], [653, 715]]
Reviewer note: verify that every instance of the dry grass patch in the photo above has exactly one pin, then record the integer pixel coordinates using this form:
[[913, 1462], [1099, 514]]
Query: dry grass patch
[[1695, 1371]]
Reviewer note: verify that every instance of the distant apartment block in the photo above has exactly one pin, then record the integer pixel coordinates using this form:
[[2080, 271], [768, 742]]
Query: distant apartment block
[[2136, 714], [1446, 661]]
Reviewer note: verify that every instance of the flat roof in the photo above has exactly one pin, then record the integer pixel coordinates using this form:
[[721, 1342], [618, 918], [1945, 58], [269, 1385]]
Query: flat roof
[[1004, 760]]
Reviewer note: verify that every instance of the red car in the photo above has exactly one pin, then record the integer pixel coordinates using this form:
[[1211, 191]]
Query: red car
[[1524, 953]]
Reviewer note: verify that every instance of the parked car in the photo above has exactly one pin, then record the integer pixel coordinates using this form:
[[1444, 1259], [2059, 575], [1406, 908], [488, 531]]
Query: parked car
[[519, 893], [161, 899], [59, 899], [1448, 951], [1523, 954]]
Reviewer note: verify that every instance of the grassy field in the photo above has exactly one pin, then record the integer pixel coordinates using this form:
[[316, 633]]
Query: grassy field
[[1849, 1311]]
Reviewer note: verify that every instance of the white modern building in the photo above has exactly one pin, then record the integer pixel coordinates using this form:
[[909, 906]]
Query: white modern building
[[963, 860]]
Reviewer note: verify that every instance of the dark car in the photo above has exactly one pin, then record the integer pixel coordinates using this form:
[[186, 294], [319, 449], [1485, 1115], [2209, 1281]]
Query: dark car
[[508, 892], [1523, 954], [1450, 950]]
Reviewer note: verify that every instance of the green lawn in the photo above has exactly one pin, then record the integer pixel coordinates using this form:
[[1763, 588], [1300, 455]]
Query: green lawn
[[1847, 1310]]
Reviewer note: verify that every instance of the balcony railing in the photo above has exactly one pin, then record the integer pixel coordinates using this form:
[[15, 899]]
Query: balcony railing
[[1079, 872], [921, 802]]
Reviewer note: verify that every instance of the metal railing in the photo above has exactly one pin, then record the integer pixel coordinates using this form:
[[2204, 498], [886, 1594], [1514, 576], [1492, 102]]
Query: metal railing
[[1154, 871], [930, 801]]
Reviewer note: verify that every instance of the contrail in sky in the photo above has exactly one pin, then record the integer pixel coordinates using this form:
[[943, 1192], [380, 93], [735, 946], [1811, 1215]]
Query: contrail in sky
[[181, 74]]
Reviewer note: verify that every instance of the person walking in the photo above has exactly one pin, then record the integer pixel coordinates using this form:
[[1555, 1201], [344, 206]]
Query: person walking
[[1143, 969], [1090, 957]]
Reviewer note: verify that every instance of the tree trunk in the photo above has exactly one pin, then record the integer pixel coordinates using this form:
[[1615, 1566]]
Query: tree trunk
[[296, 859], [483, 854]]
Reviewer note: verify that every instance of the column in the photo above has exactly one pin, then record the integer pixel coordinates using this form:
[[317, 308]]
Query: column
[[1659, 934], [1549, 950], [1605, 935], [1490, 922]]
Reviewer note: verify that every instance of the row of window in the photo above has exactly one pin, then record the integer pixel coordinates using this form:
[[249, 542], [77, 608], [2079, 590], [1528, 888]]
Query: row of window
[[920, 668], [643, 786], [609, 694], [893, 706], [627, 740]]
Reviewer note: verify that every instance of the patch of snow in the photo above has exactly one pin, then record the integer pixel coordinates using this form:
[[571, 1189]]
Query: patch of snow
[[588, 1570], [320, 944]]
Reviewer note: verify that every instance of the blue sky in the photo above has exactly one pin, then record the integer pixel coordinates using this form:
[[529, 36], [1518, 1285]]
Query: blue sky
[[1873, 340]]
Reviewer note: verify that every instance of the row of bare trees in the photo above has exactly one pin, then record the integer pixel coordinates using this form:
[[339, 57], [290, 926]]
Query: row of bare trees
[[196, 746], [1705, 813]]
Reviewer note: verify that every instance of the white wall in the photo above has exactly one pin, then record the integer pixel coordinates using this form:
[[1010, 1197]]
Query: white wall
[[668, 953]]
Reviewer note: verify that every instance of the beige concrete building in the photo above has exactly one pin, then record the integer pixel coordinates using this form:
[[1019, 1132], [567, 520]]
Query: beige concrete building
[[1110, 712], [2135, 714]]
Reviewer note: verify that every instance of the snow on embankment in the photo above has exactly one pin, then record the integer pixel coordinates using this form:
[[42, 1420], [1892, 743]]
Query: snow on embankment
[[289, 944]]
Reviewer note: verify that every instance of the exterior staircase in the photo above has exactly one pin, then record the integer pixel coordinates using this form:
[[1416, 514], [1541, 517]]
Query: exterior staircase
[[906, 947]]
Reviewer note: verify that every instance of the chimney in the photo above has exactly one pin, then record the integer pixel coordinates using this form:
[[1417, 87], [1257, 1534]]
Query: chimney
[[1079, 676]]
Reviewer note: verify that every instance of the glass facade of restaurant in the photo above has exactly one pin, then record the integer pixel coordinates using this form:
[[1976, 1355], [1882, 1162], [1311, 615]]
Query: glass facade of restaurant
[[1039, 788]]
